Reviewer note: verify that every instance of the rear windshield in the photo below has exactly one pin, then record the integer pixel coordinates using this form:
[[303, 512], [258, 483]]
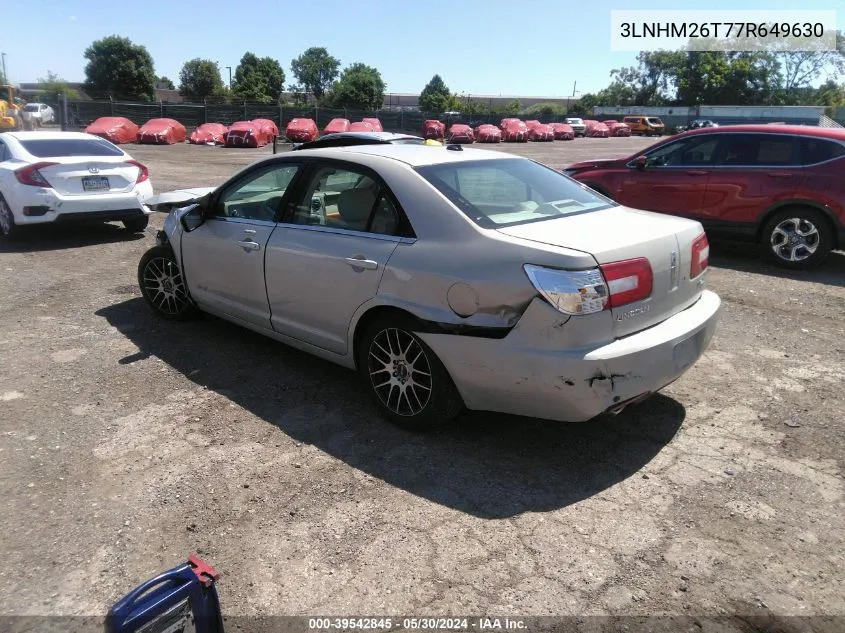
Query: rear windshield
[[61, 147], [31, 107], [575, 121], [510, 191]]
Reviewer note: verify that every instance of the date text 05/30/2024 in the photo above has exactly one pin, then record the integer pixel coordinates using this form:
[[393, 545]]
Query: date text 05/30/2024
[[721, 29], [412, 623]]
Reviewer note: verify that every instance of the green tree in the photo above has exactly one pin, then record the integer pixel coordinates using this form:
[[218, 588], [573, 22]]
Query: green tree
[[117, 67], [651, 81], [164, 83], [435, 96], [315, 70], [545, 110], [53, 85], [360, 87], [258, 79], [200, 79]]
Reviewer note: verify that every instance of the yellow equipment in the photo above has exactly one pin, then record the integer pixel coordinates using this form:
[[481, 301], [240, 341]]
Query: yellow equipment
[[10, 111]]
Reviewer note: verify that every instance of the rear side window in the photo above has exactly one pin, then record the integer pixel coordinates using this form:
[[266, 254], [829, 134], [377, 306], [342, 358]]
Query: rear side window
[[819, 150], [4, 153], [759, 150], [63, 147]]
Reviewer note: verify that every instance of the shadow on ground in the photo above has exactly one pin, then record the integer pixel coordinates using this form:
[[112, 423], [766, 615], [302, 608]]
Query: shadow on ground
[[487, 465], [749, 258], [64, 236]]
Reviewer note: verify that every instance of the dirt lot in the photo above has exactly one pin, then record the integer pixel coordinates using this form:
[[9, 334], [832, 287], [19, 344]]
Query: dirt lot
[[128, 442]]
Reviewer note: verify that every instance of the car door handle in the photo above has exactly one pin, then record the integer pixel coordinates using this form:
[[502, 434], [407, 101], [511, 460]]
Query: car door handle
[[695, 172], [366, 264], [780, 174], [249, 245], [249, 231]]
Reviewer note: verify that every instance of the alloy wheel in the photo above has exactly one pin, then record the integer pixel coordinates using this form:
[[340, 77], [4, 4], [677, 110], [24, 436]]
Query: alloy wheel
[[795, 239], [400, 372], [164, 286]]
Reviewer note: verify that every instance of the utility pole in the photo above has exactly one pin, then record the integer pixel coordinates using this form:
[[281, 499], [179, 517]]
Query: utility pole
[[230, 76], [5, 76]]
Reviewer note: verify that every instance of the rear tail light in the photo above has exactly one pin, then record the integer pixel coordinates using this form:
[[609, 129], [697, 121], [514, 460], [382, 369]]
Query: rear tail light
[[588, 291], [32, 176], [144, 173], [628, 281], [570, 291], [700, 256]]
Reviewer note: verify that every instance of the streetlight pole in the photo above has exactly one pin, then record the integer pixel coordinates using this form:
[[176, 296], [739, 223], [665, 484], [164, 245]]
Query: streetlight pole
[[5, 76]]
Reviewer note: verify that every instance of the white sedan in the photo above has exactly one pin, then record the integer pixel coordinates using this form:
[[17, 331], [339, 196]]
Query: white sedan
[[48, 177], [41, 113]]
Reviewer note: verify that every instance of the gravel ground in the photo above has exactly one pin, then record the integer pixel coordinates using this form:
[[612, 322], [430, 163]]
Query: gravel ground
[[126, 442]]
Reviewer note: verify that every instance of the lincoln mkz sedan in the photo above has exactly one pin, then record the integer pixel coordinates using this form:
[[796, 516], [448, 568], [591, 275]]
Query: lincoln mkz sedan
[[449, 278]]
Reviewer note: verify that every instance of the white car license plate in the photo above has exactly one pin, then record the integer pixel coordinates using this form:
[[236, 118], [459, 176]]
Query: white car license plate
[[95, 183]]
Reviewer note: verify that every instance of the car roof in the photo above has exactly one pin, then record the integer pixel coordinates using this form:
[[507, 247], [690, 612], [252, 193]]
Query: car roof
[[801, 130], [413, 155], [381, 136], [48, 135]]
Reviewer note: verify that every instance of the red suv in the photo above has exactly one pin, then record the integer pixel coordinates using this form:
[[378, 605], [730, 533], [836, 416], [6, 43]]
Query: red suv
[[782, 186]]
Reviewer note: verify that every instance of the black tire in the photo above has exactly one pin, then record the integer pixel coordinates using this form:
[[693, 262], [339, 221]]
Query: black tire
[[390, 334], [8, 229], [788, 248], [163, 286], [137, 225]]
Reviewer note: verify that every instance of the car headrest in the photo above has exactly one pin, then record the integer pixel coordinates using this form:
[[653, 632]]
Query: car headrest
[[355, 205]]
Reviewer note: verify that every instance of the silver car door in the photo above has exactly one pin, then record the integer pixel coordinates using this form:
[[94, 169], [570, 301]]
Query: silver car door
[[328, 256], [223, 258]]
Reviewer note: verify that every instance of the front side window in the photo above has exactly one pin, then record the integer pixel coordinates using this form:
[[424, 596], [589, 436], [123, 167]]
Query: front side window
[[654, 121], [759, 150], [258, 195], [695, 151], [510, 191]]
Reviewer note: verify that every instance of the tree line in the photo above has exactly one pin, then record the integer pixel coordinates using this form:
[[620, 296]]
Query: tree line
[[117, 67], [766, 78]]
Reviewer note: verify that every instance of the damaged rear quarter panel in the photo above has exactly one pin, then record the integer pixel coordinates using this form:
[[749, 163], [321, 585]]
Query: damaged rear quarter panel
[[419, 276]]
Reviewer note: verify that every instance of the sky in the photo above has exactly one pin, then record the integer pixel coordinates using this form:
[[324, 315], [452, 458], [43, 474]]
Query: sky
[[484, 47]]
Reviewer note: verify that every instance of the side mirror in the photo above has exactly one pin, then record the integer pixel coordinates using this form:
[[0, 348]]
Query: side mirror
[[641, 163], [193, 219]]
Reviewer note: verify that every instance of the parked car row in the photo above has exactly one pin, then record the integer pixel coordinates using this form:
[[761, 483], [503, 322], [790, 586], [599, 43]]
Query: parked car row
[[510, 130]]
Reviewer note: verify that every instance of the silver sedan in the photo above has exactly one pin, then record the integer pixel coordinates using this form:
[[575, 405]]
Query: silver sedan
[[449, 278]]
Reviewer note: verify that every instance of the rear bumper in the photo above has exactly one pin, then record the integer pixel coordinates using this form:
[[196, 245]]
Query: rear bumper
[[523, 373], [51, 206]]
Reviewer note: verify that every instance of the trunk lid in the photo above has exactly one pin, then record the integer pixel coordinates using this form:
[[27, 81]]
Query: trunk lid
[[619, 233], [90, 176]]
